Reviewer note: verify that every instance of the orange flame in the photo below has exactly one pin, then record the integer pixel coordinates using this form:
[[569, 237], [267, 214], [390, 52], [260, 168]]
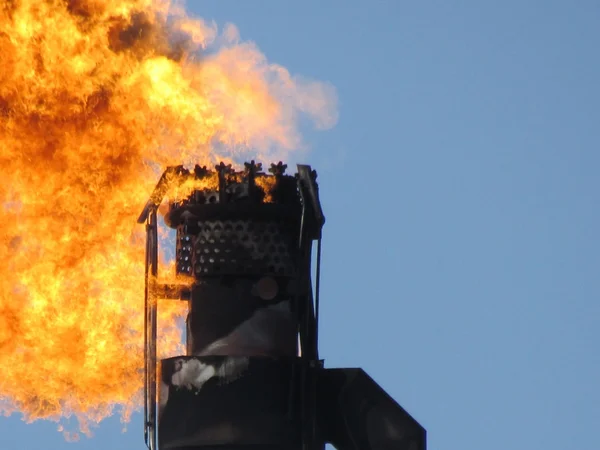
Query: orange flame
[[96, 96]]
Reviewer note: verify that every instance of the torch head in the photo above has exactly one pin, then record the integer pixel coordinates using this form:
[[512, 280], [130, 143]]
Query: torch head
[[237, 224], [243, 243], [240, 237]]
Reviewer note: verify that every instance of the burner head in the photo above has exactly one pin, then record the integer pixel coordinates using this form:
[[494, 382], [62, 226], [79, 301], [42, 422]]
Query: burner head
[[236, 222]]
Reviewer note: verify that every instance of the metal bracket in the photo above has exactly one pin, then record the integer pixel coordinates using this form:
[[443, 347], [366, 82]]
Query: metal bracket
[[172, 175]]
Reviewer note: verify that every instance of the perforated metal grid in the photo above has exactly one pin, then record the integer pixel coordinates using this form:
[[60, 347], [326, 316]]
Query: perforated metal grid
[[184, 251], [223, 247]]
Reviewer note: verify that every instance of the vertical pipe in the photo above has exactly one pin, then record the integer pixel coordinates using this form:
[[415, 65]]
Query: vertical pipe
[[150, 325], [153, 326], [146, 311], [317, 305]]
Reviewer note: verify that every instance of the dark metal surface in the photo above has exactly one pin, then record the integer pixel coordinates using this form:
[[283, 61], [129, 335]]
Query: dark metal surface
[[355, 413], [229, 317], [225, 401], [309, 191]]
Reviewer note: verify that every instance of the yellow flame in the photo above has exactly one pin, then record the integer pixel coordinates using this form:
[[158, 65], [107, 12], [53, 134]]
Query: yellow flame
[[266, 184], [96, 96]]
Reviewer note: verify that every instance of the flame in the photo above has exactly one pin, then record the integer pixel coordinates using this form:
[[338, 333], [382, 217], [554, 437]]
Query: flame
[[96, 97], [267, 184], [185, 189]]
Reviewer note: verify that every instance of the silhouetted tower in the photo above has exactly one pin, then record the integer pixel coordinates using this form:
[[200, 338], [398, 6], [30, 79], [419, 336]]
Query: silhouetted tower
[[252, 377]]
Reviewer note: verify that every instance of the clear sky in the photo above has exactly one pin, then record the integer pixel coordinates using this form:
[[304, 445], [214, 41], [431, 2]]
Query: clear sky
[[461, 251]]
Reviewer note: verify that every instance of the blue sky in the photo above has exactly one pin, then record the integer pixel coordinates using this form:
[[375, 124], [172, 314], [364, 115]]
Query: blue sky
[[461, 251]]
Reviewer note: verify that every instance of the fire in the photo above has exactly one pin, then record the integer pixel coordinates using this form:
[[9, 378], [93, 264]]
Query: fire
[[96, 97]]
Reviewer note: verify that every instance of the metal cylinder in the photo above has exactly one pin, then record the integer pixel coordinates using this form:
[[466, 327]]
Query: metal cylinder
[[238, 245], [237, 239]]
